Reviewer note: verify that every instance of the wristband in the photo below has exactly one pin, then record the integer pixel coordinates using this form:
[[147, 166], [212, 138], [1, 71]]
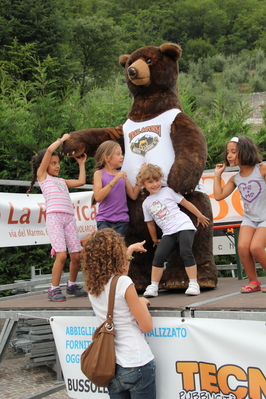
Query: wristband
[[110, 185], [218, 176], [130, 258], [59, 140]]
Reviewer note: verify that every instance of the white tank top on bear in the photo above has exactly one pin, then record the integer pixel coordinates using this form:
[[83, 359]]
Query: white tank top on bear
[[149, 142]]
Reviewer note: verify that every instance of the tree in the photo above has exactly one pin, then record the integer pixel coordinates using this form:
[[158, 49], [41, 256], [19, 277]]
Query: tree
[[198, 48], [96, 42], [33, 21], [147, 28]]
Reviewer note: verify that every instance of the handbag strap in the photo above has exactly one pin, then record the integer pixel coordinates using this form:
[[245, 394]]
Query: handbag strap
[[111, 299]]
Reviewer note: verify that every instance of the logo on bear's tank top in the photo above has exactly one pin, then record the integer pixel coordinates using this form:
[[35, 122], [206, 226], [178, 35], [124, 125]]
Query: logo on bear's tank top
[[146, 142]]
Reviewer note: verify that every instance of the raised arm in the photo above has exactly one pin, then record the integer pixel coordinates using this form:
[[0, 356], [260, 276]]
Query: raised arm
[[82, 173], [42, 170], [88, 140], [220, 192]]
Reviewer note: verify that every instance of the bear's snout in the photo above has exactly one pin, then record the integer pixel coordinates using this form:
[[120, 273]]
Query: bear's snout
[[132, 72], [139, 72]]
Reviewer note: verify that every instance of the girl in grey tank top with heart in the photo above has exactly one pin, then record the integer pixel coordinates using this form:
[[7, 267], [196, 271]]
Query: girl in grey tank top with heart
[[250, 180]]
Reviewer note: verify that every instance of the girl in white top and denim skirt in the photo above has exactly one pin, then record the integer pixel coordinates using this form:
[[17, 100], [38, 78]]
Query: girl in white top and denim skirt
[[104, 255]]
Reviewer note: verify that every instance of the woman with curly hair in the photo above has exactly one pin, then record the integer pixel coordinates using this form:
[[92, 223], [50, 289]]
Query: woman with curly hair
[[105, 255]]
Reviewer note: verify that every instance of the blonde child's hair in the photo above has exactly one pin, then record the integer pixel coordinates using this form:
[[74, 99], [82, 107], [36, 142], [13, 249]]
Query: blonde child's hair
[[147, 172], [106, 149]]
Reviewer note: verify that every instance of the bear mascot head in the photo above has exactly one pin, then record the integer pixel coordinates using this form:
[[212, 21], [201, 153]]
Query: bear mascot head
[[157, 131]]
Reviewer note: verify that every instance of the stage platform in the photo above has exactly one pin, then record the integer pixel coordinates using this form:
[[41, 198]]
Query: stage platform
[[224, 301]]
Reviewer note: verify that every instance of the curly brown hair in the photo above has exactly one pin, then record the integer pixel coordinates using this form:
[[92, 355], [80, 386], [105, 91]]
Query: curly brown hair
[[104, 254]]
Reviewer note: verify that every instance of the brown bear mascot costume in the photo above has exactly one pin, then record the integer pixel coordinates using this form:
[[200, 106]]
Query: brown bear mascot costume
[[158, 132]]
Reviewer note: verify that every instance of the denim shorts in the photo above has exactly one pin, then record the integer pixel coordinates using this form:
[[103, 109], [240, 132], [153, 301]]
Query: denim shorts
[[247, 222], [134, 382], [119, 227]]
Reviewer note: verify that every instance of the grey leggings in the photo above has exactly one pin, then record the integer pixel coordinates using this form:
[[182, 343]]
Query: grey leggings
[[185, 238]]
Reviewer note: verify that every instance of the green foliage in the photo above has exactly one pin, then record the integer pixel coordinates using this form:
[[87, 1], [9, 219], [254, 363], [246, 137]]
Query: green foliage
[[59, 72], [198, 48], [219, 121], [224, 121], [260, 138], [145, 27], [224, 260], [15, 265], [108, 106], [33, 21], [96, 43]]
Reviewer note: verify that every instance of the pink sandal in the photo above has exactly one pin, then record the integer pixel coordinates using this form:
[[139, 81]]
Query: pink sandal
[[263, 290], [246, 289]]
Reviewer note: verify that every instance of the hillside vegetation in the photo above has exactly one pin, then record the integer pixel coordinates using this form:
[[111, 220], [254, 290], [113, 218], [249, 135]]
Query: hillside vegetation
[[59, 72]]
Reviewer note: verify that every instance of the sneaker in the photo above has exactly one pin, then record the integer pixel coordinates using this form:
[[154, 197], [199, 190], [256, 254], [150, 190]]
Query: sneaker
[[193, 289], [151, 291], [56, 295], [76, 290]]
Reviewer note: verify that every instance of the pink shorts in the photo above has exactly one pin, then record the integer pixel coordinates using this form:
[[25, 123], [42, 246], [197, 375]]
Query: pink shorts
[[63, 232]]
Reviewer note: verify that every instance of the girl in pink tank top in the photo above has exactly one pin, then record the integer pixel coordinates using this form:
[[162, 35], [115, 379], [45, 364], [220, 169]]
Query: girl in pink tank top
[[60, 220]]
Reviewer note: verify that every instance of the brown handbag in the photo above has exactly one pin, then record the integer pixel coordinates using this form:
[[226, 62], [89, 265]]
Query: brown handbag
[[97, 362]]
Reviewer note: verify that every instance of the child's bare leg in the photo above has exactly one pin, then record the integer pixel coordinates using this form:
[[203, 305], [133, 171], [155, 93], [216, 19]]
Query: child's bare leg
[[246, 235], [58, 267], [258, 245], [191, 272], [72, 287], [156, 274], [74, 266], [257, 248]]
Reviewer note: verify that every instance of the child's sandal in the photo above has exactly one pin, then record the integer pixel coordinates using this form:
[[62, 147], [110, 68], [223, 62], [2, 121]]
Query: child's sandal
[[263, 290], [246, 289]]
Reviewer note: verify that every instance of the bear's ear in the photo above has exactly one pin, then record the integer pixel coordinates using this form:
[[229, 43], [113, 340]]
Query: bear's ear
[[172, 50], [123, 59]]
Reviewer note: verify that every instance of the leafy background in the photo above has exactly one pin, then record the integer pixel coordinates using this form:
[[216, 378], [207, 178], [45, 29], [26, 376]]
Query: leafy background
[[59, 72]]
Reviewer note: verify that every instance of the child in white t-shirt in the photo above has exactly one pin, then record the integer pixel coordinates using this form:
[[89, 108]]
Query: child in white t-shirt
[[161, 207]]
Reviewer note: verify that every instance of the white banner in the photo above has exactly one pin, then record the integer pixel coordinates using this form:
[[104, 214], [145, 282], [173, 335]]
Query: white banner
[[22, 218], [195, 358], [223, 245], [229, 210]]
